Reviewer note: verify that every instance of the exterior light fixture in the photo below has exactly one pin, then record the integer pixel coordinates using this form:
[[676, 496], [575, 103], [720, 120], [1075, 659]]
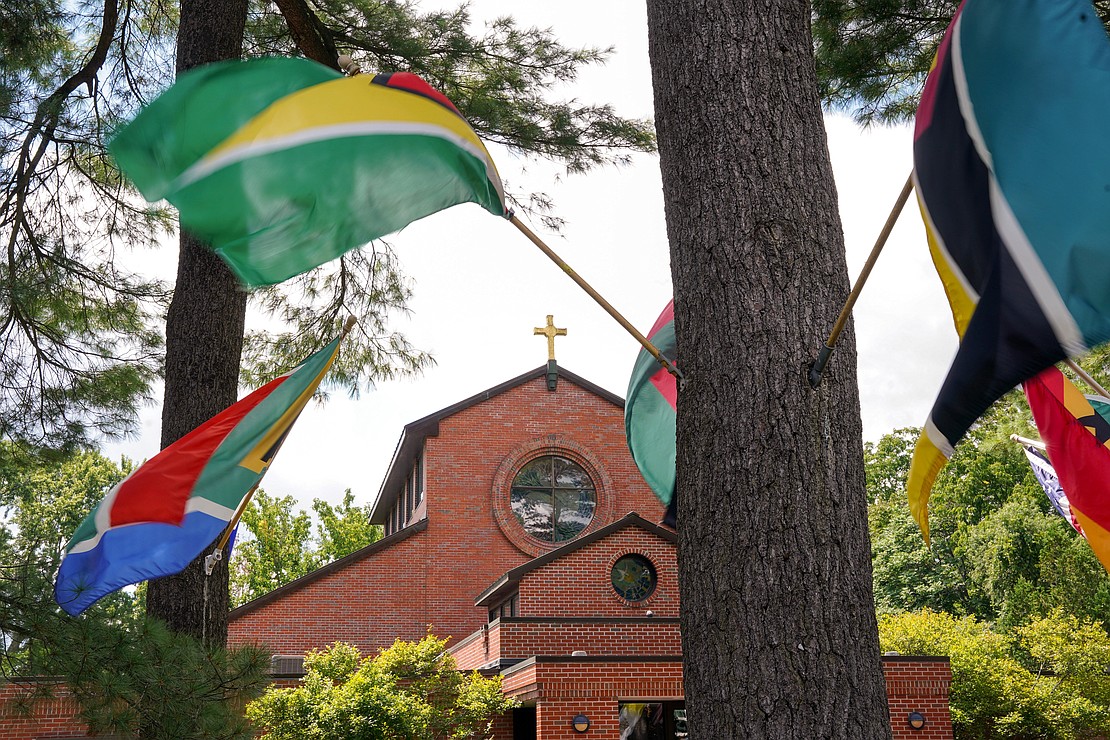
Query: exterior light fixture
[[916, 720], [581, 723]]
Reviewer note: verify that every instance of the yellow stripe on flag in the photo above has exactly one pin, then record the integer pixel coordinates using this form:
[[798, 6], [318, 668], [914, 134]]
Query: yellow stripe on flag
[[259, 456], [961, 297], [346, 101], [1097, 537], [927, 461]]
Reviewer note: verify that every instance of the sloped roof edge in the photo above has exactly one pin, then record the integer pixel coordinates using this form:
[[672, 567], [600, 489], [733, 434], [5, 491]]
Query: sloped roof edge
[[414, 433], [508, 583]]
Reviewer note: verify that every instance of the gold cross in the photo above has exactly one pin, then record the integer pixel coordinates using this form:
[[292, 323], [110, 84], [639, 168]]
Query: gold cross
[[550, 332]]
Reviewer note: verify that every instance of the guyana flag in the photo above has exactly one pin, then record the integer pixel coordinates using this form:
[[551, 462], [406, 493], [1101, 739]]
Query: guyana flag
[[649, 412], [1012, 173], [1076, 430], [282, 164], [163, 515]]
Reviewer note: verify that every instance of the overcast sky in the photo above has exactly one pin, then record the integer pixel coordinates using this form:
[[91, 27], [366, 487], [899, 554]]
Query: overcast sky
[[480, 287]]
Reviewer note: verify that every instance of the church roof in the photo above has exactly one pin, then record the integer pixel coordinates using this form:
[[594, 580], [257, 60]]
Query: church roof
[[508, 583], [414, 433]]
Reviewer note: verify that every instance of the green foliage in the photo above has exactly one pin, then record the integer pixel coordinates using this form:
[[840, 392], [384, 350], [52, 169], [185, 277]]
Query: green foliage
[[343, 529], [873, 55], [81, 350], [275, 544], [111, 658], [409, 690], [1047, 679], [999, 551], [77, 327]]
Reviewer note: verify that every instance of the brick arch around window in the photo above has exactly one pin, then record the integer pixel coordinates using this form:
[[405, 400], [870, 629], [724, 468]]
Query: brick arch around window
[[521, 455]]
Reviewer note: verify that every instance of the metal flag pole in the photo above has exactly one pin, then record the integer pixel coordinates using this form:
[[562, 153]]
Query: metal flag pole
[[818, 367], [1031, 442], [1087, 378], [651, 348], [217, 553]]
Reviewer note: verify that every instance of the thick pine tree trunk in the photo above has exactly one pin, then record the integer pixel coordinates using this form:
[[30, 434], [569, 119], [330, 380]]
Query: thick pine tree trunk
[[778, 623], [204, 342]]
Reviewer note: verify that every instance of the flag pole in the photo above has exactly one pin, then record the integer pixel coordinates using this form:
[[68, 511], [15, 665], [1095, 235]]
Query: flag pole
[[818, 367], [1087, 378], [1031, 442], [661, 358], [217, 553]]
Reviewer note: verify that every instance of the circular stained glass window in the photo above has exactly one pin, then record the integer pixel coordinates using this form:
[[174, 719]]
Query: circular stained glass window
[[553, 498], [633, 577]]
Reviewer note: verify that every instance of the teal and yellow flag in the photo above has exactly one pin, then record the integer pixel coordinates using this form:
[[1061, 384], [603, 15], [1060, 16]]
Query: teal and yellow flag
[[282, 164], [1012, 172]]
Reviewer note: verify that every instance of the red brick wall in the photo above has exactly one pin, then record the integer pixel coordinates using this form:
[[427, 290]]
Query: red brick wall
[[517, 638], [471, 549], [579, 584], [592, 687], [431, 579], [915, 684], [369, 603], [52, 717]]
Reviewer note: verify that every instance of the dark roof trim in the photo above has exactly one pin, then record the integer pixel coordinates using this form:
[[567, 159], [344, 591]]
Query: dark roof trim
[[915, 659], [328, 569], [414, 433], [509, 582], [528, 662], [587, 620]]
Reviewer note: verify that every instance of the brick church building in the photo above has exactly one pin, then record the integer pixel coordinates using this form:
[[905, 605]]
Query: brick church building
[[517, 524]]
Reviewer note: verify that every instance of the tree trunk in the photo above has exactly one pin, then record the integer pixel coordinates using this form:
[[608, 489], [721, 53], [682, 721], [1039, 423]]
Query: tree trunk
[[778, 623], [204, 342]]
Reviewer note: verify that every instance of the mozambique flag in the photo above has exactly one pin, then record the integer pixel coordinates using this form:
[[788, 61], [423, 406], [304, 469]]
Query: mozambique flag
[[1012, 172], [1076, 430], [649, 412], [159, 518], [283, 164]]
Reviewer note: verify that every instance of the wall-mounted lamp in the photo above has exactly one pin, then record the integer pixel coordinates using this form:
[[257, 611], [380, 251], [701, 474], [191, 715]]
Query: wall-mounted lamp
[[916, 720], [580, 723]]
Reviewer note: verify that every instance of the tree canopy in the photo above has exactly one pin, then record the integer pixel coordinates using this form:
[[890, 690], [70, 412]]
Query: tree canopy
[[276, 544], [80, 330], [873, 55]]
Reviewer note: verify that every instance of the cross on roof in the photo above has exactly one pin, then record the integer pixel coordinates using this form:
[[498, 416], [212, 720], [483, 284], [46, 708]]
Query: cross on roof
[[550, 332]]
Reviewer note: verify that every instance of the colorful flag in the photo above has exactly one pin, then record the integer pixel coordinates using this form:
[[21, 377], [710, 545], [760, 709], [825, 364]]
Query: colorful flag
[[283, 164], [159, 518], [1078, 439], [1010, 166], [1046, 476], [649, 412]]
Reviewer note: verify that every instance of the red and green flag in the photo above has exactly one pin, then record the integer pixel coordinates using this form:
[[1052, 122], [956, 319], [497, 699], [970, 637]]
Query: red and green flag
[[649, 411], [163, 515], [282, 164], [1076, 430]]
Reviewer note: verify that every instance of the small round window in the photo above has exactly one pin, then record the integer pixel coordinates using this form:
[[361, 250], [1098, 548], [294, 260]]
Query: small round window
[[553, 498], [633, 577]]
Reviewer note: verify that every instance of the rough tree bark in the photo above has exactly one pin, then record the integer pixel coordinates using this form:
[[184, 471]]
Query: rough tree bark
[[778, 624], [204, 342]]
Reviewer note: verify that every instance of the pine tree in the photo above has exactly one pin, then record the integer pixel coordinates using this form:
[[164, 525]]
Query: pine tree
[[778, 625]]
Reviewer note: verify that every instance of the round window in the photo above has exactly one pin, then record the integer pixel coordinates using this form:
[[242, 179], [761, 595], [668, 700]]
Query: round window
[[633, 577], [553, 498]]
